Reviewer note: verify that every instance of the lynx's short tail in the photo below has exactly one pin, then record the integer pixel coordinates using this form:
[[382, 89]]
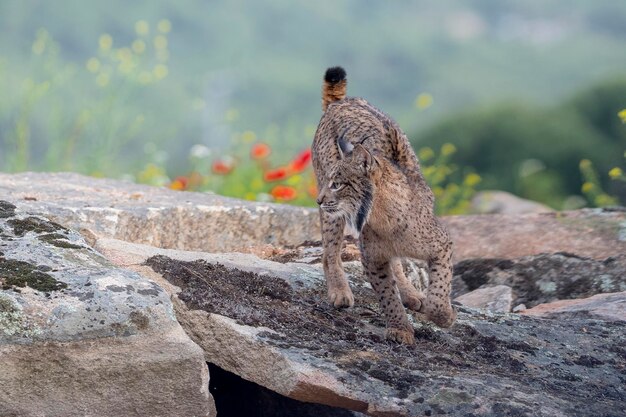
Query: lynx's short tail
[[334, 88]]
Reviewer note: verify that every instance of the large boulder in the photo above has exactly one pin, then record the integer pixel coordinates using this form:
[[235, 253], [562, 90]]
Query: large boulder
[[80, 336], [206, 222], [543, 278], [269, 323]]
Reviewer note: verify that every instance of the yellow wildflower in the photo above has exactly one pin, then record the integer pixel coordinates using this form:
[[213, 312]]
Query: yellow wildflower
[[448, 149], [105, 42], [164, 26], [472, 179], [424, 101], [615, 172], [142, 28], [93, 65], [587, 187]]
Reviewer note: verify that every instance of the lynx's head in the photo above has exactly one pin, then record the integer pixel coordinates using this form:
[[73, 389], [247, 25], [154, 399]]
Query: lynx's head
[[350, 188]]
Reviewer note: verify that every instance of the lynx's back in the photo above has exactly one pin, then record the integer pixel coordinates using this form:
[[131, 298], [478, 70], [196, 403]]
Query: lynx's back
[[356, 121]]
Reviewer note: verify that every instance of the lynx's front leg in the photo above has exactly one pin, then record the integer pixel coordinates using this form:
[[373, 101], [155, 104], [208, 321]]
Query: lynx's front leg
[[339, 292]]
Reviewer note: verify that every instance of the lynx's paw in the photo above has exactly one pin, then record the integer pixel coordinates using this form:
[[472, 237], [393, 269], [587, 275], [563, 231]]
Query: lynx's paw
[[411, 297], [341, 297], [439, 312], [403, 336]]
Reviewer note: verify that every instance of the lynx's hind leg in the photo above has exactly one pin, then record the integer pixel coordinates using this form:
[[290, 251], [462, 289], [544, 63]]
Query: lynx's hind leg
[[339, 293], [411, 297], [436, 306], [379, 274]]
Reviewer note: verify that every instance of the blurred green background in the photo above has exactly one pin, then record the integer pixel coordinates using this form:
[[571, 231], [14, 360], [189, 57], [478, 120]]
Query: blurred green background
[[155, 91]]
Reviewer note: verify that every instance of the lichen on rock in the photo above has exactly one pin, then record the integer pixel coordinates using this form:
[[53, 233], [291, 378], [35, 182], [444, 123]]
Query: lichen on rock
[[34, 224], [58, 240], [12, 320], [14, 273], [6, 210]]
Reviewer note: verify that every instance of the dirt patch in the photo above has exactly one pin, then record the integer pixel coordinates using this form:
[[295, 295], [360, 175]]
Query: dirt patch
[[531, 354]]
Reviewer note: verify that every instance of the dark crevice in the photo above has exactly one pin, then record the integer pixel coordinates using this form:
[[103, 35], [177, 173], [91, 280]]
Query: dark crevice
[[236, 397]]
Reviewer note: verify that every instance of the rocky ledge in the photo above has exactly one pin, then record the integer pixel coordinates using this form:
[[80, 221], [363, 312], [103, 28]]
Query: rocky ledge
[[95, 322], [269, 323]]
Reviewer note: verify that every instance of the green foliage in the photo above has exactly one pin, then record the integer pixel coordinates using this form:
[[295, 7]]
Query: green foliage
[[535, 152], [90, 118], [592, 189], [453, 187]]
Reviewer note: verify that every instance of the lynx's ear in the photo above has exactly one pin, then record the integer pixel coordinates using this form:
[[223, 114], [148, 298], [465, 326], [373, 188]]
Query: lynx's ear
[[345, 147], [363, 157]]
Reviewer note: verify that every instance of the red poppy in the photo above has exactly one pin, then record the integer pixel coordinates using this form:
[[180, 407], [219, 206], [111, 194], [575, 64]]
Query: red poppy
[[301, 161], [221, 167], [283, 192], [180, 183], [260, 151], [275, 174]]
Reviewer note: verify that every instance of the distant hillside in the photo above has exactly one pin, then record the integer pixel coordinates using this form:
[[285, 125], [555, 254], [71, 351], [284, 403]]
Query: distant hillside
[[263, 61]]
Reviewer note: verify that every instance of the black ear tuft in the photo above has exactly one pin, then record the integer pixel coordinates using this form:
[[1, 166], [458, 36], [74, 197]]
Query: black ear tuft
[[334, 75]]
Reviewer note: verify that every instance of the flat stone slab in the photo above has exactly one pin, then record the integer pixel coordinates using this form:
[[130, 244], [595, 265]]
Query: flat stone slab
[[610, 306], [284, 336], [80, 336], [497, 299], [205, 222]]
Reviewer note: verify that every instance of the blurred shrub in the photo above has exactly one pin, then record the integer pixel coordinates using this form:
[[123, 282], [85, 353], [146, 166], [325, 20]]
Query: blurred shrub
[[592, 188], [92, 118], [535, 152]]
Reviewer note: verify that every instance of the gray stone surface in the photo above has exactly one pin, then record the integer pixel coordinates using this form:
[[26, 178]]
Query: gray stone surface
[[493, 201], [80, 336], [497, 299], [284, 336], [543, 278], [210, 223]]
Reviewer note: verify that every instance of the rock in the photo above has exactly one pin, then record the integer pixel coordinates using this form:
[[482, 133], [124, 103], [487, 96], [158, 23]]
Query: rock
[[501, 202], [543, 278], [206, 222], [497, 298], [591, 233], [284, 336], [79, 336], [518, 308], [604, 306], [158, 216]]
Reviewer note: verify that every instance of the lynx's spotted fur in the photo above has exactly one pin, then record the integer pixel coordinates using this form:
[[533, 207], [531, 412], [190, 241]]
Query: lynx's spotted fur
[[370, 180]]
